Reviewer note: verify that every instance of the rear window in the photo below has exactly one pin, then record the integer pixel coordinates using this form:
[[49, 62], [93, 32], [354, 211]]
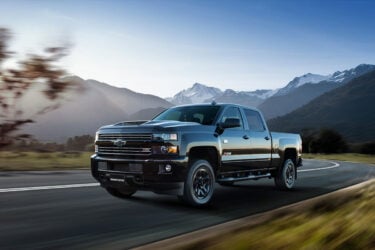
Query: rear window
[[254, 120]]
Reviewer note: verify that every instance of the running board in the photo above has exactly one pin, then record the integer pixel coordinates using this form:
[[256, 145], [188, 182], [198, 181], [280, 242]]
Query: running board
[[249, 177]]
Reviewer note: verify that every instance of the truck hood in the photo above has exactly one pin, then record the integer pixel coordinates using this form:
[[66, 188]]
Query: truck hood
[[148, 125]]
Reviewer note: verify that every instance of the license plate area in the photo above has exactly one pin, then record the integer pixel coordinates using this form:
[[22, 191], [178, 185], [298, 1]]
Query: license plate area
[[123, 179], [128, 167]]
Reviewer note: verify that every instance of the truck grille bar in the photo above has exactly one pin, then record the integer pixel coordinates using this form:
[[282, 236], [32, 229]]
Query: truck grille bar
[[126, 137], [133, 144], [124, 150]]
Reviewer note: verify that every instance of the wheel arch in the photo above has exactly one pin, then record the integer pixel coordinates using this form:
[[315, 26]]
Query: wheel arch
[[290, 153], [209, 154]]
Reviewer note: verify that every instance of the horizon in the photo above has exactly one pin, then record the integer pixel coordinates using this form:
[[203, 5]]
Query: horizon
[[162, 47], [223, 90]]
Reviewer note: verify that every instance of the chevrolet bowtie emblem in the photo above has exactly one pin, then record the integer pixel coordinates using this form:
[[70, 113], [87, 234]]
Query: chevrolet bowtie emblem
[[119, 143]]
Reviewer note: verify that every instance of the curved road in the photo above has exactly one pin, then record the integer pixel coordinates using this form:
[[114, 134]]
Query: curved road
[[57, 215]]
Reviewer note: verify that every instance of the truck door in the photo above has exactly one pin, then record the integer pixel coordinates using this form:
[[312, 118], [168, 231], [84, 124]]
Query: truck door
[[235, 150], [258, 140]]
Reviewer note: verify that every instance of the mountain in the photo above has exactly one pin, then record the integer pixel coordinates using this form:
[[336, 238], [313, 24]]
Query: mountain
[[246, 98], [349, 109], [96, 104], [301, 90], [300, 81], [198, 93], [146, 114]]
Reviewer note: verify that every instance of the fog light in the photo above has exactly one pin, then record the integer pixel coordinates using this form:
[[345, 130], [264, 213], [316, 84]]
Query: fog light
[[102, 165], [168, 168]]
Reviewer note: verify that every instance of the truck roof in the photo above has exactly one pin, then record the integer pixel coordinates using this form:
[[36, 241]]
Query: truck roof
[[218, 104]]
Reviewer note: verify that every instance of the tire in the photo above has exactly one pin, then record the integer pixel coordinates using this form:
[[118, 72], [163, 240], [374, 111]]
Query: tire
[[199, 184], [286, 175], [123, 193]]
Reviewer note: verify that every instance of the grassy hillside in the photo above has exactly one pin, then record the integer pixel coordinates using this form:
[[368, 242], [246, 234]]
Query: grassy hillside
[[348, 109]]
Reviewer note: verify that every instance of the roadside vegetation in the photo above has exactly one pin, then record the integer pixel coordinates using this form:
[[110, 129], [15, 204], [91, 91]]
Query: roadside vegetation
[[343, 221], [23, 161], [34, 155], [350, 157]]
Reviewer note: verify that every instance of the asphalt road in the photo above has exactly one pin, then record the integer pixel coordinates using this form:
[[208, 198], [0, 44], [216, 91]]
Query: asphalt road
[[62, 216]]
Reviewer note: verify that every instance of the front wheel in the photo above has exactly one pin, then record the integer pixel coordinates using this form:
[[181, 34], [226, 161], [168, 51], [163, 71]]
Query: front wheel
[[199, 184], [123, 193], [286, 175]]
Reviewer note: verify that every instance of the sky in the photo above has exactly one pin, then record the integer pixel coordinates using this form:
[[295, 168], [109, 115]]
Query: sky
[[163, 46]]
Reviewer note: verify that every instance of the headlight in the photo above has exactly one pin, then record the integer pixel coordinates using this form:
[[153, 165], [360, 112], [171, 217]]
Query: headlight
[[165, 137], [96, 136], [165, 150]]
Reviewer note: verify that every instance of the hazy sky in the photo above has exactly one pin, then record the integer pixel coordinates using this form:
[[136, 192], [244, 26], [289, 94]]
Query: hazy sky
[[163, 46]]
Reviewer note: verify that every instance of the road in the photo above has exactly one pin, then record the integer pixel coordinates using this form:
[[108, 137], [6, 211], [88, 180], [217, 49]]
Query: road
[[63, 216]]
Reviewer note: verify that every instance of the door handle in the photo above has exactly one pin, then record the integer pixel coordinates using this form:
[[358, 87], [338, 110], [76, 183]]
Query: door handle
[[245, 137], [266, 138]]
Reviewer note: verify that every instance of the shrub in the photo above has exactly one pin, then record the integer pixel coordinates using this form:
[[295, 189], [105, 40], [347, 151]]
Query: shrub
[[368, 148]]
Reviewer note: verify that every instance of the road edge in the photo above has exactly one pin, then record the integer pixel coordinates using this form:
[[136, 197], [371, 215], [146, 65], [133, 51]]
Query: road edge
[[200, 235]]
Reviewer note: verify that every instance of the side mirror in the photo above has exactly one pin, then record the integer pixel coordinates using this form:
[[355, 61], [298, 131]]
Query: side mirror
[[231, 123]]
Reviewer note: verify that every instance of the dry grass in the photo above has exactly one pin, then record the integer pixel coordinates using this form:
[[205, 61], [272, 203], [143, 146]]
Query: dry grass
[[351, 157], [17, 161], [343, 223]]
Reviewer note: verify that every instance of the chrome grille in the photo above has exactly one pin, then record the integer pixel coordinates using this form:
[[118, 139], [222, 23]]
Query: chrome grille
[[126, 137]]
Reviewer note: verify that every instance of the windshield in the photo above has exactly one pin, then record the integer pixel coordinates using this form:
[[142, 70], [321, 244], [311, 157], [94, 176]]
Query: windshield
[[204, 115]]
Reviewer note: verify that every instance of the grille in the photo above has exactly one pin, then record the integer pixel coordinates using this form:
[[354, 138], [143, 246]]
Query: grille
[[136, 144], [126, 137], [124, 150]]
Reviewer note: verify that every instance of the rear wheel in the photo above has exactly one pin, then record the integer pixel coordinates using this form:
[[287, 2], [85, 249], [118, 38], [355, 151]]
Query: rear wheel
[[122, 193], [286, 175], [199, 184]]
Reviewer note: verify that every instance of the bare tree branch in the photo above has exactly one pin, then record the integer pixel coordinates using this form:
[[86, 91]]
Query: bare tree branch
[[16, 82]]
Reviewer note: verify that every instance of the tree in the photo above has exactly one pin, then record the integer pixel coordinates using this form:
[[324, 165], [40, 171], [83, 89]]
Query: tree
[[80, 143], [368, 148], [328, 141], [15, 82]]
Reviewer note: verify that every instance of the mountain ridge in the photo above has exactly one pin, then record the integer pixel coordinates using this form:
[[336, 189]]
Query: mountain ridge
[[347, 109], [292, 98], [97, 103]]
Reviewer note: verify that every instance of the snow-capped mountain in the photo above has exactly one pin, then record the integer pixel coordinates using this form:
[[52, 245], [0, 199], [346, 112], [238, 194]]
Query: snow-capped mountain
[[246, 98], [301, 80], [302, 90], [337, 77], [347, 75], [198, 93]]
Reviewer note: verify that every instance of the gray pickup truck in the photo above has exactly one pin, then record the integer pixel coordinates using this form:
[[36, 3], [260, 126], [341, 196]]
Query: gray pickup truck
[[186, 149]]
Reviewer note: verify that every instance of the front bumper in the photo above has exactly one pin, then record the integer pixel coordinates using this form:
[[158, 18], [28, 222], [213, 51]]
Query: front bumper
[[144, 174]]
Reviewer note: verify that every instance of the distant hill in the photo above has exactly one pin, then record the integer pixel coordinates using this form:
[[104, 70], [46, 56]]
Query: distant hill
[[95, 105], [348, 109], [301, 90], [146, 114]]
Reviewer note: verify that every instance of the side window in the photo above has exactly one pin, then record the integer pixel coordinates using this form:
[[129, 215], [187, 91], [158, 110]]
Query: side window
[[232, 112], [254, 120]]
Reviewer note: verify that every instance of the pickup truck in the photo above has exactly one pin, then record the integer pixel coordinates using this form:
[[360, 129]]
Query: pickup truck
[[186, 149]]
